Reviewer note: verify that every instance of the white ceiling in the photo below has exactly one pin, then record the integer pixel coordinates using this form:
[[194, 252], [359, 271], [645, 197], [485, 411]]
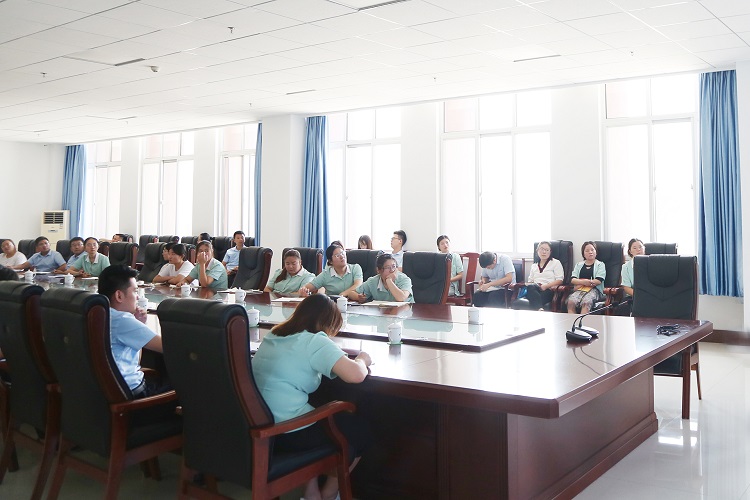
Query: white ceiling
[[59, 81]]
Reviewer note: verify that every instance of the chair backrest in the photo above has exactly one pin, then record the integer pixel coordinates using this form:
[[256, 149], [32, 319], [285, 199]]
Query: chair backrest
[[612, 255], [562, 250], [249, 241], [26, 247], [430, 274], [165, 238], [207, 354], [660, 248], [127, 238], [190, 253], [254, 268], [121, 252], [470, 261], [665, 286], [221, 245], [312, 258], [75, 324], [23, 346], [367, 259], [189, 240], [520, 267], [152, 263], [144, 240], [62, 247]]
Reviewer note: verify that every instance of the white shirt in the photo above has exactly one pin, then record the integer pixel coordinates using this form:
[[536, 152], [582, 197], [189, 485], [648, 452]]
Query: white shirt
[[169, 271], [17, 259]]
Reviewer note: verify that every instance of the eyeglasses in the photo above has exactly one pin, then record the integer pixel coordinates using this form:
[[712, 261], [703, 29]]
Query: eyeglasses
[[396, 238], [390, 268], [341, 255]]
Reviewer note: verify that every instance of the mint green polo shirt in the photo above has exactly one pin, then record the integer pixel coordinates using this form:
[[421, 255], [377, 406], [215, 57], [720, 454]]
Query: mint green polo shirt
[[335, 284], [93, 268], [214, 269], [292, 283], [376, 290]]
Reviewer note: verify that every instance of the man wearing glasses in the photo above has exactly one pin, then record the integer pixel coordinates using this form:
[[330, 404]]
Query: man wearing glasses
[[397, 244]]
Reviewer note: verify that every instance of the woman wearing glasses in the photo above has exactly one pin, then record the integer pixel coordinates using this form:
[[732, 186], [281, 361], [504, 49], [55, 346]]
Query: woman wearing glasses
[[389, 284], [338, 278]]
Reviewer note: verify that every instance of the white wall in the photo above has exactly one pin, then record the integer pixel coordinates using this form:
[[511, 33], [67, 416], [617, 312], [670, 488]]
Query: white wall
[[32, 176]]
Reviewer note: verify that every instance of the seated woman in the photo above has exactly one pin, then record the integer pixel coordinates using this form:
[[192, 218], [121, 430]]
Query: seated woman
[[165, 251], [588, 278], [92, 263], [338, 278], [291, 277], [10, 256], [635, 247], [177, 269], [389, 284], [208, 271], [457, 265], [288, 367], [545, 274], [364, 242]]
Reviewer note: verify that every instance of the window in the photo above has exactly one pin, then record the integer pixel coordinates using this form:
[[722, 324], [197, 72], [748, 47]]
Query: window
[[101, 215], [237, 191], [650, 160], [167, 184], [364, 175], [495, 191]]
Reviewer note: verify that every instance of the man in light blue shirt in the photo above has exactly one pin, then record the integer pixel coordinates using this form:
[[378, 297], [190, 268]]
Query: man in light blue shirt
[[497, 272], [231, 259], [45, 260], [76, 250], [128, 331]]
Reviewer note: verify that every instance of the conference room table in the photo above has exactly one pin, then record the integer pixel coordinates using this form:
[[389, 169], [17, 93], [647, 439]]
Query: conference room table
[[504, 409]]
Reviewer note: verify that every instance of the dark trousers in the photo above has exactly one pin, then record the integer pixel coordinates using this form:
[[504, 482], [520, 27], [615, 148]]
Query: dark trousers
[[538, 297], [495, 298], [352, 426]]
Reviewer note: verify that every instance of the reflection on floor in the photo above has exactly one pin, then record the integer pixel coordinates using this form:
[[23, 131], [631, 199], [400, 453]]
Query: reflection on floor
[[707, 457]]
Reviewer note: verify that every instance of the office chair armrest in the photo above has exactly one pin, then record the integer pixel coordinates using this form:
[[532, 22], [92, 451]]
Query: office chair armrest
[[139, 404], [316, 415]]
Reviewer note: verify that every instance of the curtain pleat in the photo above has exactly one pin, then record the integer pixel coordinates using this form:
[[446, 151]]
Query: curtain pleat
[[314, 191], [74, 182]]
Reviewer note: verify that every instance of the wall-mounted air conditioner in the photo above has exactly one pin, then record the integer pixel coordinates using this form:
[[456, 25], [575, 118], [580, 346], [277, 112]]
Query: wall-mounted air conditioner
[[55, 225]]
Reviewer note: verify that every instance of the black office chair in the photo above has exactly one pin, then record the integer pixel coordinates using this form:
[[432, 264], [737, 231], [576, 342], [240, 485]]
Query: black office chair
[[254, 268], [250, 241], [34, 394], [666, 286], [367, 260], [430, 274], [562, 250], [26, 247], [207, 353], [99, 411], [189, 240], [660, 248], [165, 238], [152, 263], [312, 258], [121, 252], [221, 245], [144, 240], [127, 238], [613, 257], [62, 247]]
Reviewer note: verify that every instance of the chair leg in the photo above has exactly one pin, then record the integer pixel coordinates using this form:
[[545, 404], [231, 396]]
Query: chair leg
[[114, 476], [697, 369], [186, 477], [154, 469], [9, 449], [60, 467], [51, 441], [686, 384]]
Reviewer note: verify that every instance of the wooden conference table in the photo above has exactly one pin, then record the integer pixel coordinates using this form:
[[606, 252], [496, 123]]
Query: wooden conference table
[[506, 409]]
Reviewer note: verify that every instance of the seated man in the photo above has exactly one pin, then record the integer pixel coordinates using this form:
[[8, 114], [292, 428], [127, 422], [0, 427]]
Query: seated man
[[45, 260], [397, 244], [497, 271], [388, 285], [208, 271], [76, 250], [92, 263], [177, 269], [231, 259], [127, 329]]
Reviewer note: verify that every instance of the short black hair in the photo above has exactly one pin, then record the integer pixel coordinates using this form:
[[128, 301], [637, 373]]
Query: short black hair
[[332, 248], [238, 232], [76, 238], [178, 249], [8, 274], [115, 277], [486, 259], [90, 238], [441, 238], [169, 246], [39, 240], [204, 237], [382, 259], [401, 234]]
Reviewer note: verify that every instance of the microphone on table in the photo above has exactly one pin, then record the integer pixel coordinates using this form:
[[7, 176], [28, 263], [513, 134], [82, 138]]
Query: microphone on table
[[582, 333]]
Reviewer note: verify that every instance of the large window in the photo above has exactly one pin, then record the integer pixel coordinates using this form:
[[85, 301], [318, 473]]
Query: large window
[[364, 175], [167, 184], [650, 160], [495, 188], [101, 216], [237, 192]]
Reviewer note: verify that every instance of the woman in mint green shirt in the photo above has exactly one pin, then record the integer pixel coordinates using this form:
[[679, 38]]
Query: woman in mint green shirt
[[290, 364], [92, 263], [389, 284], [339, 278], [457, 265], [208, 271], [291, 277]]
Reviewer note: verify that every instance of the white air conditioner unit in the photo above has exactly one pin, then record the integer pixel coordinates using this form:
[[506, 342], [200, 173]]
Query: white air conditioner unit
[[55, 225]]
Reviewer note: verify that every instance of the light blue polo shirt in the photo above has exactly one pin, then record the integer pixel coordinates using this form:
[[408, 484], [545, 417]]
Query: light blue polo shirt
[[335, 284], [128, 336], [73, 258], [232, 258], [287, 369], [503, 266], [375, 289], [46, 263], [292, 283], [215, 270]]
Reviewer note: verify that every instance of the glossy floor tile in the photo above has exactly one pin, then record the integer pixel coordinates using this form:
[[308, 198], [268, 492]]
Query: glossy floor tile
[[706, 457]]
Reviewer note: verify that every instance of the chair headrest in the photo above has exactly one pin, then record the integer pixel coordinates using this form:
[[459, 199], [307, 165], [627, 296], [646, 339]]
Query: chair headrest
[[662, 270]]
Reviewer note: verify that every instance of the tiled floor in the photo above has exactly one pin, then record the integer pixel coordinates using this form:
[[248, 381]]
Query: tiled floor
[[707, 457]]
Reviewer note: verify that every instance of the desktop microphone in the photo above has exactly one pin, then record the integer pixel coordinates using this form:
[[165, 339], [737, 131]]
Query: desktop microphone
[[582, 333]]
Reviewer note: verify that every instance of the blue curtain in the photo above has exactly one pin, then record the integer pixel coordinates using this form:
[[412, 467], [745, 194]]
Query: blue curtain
[[314, 191], [719, 202], [258, 156], [74, 181]]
